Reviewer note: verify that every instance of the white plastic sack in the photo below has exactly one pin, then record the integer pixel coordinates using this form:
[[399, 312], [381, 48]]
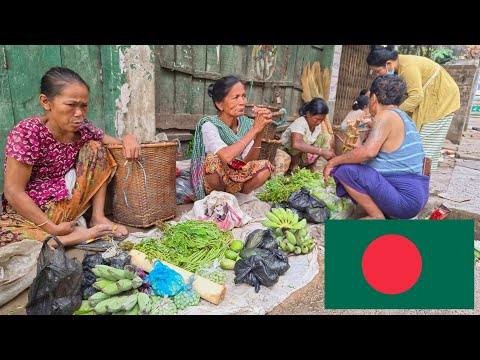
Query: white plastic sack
[[220, 207], [18, 267]]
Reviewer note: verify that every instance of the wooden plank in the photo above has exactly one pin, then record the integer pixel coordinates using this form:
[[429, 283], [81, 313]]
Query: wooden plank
[[291, 62], [213, 58], [226, 60], [6, 111], [85, 61], [26, 66], [297, 74], [287, 100], [167, 53], [198, 85], [112, 80], [177, 121], [183, 82], [208, 106], [164, 80], [250, 70], [256, 97], [240, 60]]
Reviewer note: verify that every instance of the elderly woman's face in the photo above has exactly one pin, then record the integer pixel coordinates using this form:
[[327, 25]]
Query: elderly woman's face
[[234, 102]]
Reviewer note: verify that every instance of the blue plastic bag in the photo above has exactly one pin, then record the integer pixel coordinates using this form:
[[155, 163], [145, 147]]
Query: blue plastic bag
[[164, 281]]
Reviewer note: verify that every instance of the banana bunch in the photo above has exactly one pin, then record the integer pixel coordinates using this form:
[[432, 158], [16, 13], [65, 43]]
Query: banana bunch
[[294, 241], [290, 233], [118, 290], [279, 218]]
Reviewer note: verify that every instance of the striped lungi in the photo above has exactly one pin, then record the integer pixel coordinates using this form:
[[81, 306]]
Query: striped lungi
[[433, 135]]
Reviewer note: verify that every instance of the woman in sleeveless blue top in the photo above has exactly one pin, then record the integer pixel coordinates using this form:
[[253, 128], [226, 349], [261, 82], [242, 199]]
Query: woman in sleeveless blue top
[[384, 175]]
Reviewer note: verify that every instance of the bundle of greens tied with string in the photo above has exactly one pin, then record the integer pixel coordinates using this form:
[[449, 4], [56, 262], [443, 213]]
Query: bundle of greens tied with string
[[190, 244]]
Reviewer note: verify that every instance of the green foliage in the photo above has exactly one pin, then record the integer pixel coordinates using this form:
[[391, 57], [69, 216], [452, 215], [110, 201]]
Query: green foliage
[[188, 153], [439, 55], [442, 56]]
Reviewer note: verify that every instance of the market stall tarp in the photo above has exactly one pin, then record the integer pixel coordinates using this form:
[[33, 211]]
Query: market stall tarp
[[241, 299]]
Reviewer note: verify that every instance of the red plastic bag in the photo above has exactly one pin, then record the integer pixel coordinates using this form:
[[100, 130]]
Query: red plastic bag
[[440, 213]]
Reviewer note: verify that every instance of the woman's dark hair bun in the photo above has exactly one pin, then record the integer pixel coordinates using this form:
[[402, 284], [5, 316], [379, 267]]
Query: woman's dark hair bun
[[210, 90]]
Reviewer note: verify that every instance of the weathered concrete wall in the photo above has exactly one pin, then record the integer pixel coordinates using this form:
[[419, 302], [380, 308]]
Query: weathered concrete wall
[[465, 72], [135, 104]]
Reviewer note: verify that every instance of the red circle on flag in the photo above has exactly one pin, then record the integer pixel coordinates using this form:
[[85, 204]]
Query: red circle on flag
[[391, 264]]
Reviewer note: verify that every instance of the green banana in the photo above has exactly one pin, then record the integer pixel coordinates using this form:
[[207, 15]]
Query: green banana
[[297, 250], [129, 302], [283, 246], [132, 311], [284, 214], [116, 303], [291, 238], [294, 219], [277, 213], [96, 298], [273, 218], [102, 283], [118, 287], [270, 224], [300, 225], [289, 216], [305, 249], [290, 247]]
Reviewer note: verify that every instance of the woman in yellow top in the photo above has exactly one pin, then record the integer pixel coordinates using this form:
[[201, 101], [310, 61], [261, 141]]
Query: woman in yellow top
[[432, 94]]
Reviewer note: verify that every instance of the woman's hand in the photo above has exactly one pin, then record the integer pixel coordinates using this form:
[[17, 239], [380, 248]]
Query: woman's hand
[[263, 117], [131, 147], [64, 228], [326, 171], [327, 154]]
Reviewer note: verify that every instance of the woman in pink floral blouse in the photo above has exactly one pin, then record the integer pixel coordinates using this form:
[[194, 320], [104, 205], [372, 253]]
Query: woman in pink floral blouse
[[56, 167]]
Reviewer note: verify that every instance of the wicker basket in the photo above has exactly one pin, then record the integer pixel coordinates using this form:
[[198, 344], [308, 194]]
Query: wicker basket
[[270, 130], [144, 190], [269, 150]]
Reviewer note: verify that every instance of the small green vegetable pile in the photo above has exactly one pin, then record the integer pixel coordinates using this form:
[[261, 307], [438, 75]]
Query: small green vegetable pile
[[189, 244], [279, 188]]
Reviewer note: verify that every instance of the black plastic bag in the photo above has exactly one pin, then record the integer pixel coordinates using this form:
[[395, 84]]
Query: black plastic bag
[[275, 259], [261, 238], [56, 288], [302, 200], [118, 261], [91, 260], [254, 271], [317, 215]]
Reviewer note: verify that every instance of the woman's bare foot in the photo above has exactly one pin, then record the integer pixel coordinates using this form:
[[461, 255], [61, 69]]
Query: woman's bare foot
[[120, 230]]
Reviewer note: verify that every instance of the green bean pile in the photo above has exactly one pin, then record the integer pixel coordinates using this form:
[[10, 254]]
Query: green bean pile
[[189, 244]]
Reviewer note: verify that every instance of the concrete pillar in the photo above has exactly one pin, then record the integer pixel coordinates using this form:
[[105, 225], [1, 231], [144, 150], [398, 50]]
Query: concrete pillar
[[465, 72], [337, 53], [135, 105]]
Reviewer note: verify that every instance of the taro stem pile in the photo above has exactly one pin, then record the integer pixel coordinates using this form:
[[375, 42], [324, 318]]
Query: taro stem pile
[[189, 244]]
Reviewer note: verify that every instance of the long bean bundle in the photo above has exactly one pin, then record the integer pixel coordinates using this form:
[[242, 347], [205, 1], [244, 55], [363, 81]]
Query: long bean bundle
[[189, 244]]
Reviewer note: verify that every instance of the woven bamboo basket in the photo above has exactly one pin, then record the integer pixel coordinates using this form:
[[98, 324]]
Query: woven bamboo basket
[[270, 130], [144, 190], [340, 135], [269, 150]]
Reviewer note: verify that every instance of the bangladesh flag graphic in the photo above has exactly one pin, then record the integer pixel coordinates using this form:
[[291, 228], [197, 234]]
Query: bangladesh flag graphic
[[399, 264]]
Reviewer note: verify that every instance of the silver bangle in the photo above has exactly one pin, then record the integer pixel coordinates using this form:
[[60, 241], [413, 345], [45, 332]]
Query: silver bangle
[[40, 225], [243, 143]]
